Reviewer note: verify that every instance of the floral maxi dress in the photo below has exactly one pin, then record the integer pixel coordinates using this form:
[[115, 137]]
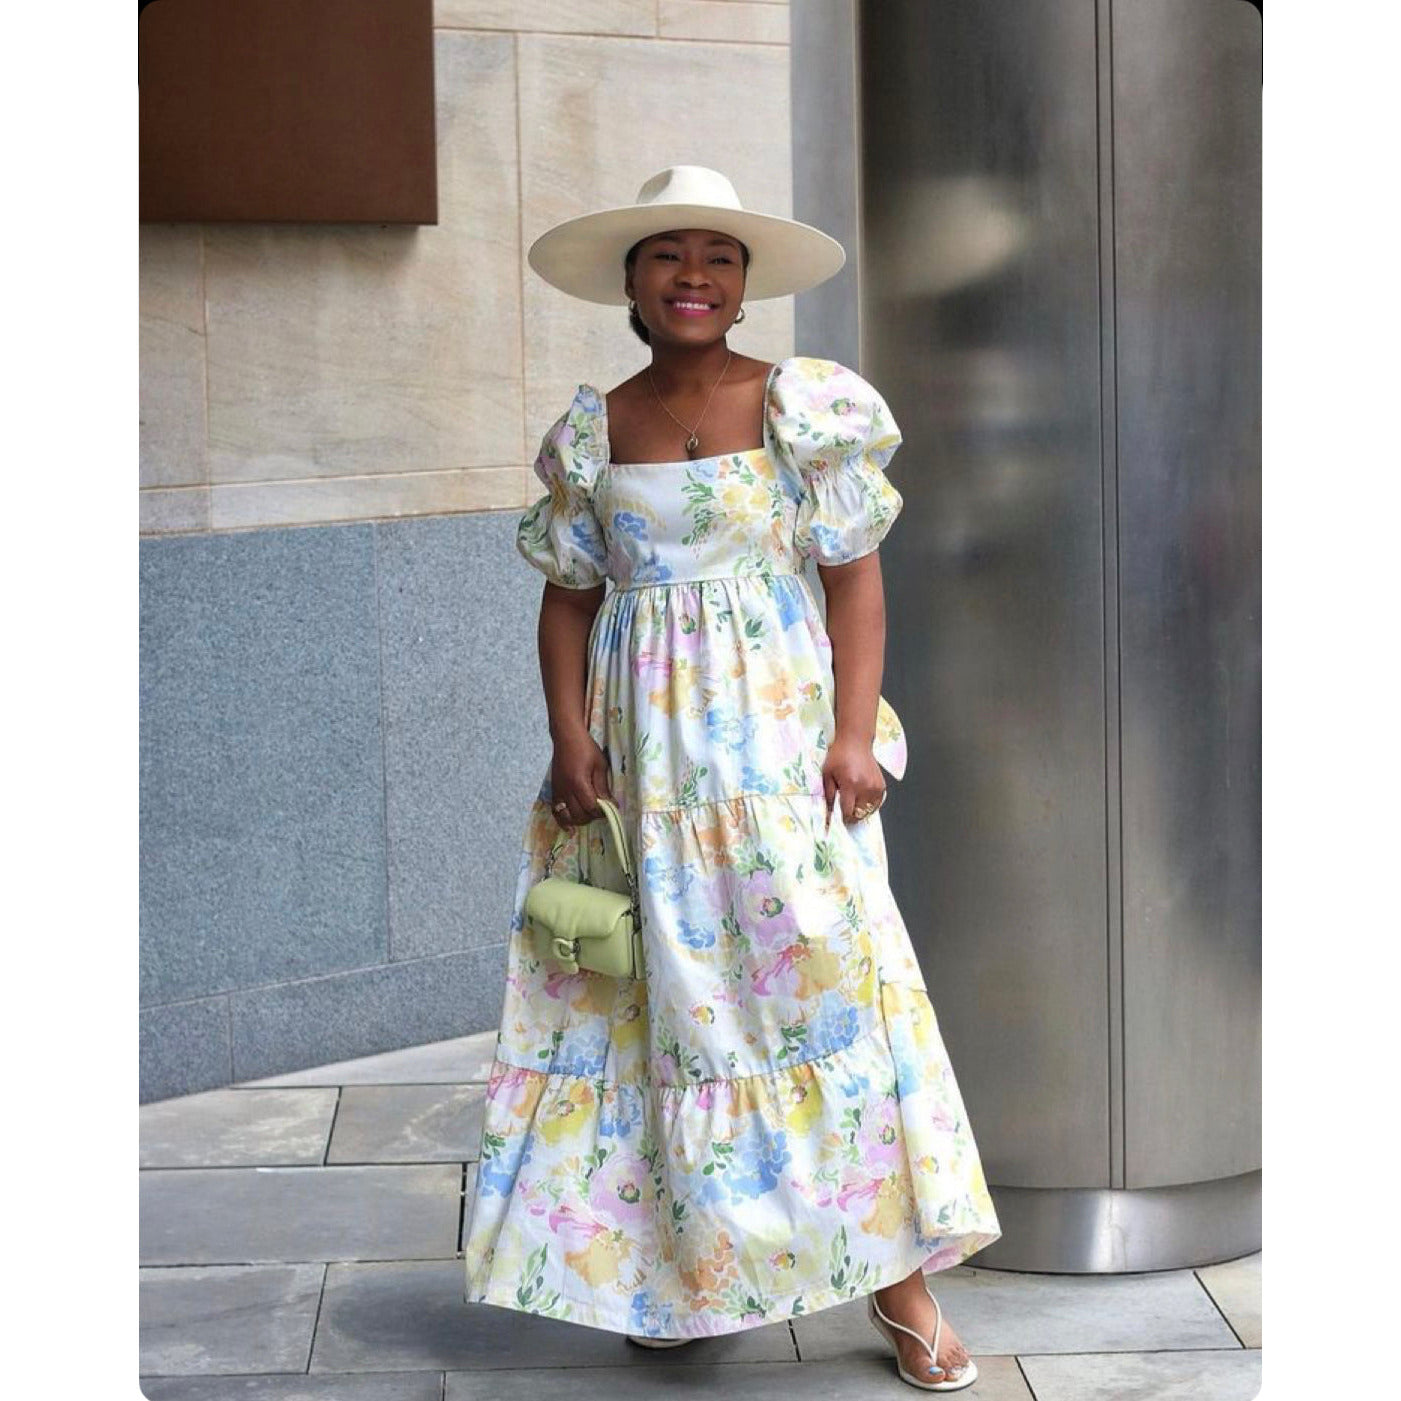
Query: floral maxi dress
[[767, 1123]]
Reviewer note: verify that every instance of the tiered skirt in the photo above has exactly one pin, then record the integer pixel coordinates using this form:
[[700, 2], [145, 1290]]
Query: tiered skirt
[[768, 1123]]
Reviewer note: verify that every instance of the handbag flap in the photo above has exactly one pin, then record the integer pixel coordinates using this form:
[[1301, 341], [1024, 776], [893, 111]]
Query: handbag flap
[[571, 910]]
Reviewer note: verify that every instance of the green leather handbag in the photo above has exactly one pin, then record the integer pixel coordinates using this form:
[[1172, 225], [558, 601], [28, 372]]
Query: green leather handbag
[[576, 925]]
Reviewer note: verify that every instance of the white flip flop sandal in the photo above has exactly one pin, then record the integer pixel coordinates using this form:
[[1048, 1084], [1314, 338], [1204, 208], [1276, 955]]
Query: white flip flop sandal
[[642, 1341], [951, 1381]]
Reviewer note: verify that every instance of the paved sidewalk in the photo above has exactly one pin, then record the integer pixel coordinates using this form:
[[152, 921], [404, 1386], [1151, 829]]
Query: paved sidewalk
[[300, 1237]]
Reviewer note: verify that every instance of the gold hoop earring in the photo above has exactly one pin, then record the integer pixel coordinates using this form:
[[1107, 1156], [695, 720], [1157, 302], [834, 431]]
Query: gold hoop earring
[[740, 317]]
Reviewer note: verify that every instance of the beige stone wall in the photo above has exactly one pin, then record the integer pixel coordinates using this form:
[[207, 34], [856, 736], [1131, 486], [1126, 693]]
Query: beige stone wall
[[299, 374]]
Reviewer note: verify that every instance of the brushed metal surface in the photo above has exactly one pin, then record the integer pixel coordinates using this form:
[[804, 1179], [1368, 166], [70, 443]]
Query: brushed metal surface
[[1109, 534], [982, 328], [1187, 80], [1111, 1232], [1060, 299]]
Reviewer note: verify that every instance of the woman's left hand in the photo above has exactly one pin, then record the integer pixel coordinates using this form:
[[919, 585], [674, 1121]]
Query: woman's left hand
[[851, 774]]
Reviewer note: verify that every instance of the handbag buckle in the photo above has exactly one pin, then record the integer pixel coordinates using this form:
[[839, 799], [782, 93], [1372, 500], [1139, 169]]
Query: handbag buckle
[[566, 950]]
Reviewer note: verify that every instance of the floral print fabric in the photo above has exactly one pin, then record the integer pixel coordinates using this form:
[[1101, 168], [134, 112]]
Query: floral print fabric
[[767, 1122]]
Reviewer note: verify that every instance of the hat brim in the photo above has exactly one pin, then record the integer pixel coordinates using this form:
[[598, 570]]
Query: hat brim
[[584, 256]]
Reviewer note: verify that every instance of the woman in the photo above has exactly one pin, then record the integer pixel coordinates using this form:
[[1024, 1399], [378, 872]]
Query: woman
[[766, 1123]]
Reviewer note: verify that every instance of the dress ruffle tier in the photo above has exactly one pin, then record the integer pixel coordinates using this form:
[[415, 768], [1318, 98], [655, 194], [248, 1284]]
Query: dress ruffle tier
[[768, 1123]]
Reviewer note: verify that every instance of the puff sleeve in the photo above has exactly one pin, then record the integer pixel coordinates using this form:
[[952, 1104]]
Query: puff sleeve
[[839, 434], [560, 534]]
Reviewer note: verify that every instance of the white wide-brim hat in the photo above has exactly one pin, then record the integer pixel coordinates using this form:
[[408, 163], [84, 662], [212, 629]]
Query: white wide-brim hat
[[584, 256]]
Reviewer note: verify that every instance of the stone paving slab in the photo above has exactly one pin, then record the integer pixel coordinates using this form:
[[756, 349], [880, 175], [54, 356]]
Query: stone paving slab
[[1147, 1376], [411, 1315], [238, 1128], [1235, 1285], [839, 1380], [458, 1061], [207, 1216], [405, 1123], [997, 1311], [250, 1318], [368, 1386]]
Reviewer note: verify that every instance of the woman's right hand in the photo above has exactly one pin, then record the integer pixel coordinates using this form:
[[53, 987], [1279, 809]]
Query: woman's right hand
[[578, 778]]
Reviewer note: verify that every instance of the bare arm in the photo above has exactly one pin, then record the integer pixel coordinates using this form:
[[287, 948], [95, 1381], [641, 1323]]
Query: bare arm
[[579, 770], [856, 625]]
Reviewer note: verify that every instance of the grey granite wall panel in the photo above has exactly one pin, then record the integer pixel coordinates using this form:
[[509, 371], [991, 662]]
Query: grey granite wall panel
[[185, 1047], [342, 731], [277, 1030], [262, 782], [465, 732]]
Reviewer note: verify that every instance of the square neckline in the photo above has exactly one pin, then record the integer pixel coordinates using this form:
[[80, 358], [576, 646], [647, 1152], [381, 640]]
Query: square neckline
[[609, 464]]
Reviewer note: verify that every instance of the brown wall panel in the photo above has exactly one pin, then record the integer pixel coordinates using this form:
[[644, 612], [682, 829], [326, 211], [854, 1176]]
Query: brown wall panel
[[302, 110]]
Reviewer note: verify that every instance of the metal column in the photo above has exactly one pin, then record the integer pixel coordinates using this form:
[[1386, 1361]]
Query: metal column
[[1058, 267]]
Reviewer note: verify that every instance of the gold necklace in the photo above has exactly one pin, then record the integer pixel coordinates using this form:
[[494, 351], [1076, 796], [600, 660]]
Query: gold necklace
[[693, 442]]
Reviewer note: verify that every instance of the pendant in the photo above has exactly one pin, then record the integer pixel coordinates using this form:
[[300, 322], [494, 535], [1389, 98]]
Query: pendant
[[692, 443]]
